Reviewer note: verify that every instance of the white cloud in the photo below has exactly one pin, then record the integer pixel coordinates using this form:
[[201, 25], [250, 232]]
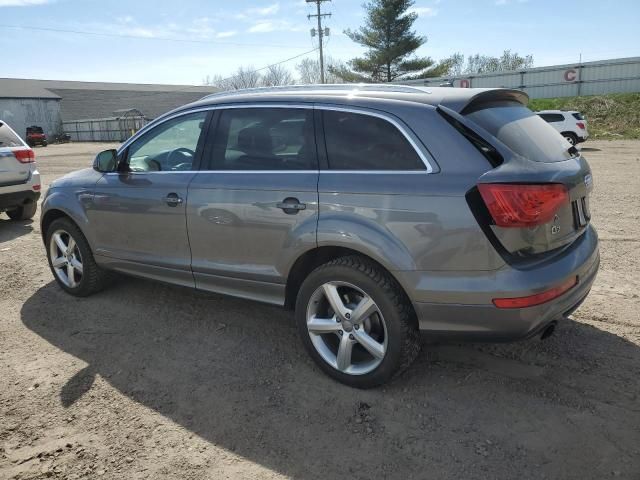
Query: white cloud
[[424, 11], [23, 3], [259, 11], [265, 26], [228, 34], [509, 2]]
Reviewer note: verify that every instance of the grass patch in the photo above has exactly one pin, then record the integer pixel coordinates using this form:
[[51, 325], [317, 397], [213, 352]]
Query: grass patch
[[612, 116]]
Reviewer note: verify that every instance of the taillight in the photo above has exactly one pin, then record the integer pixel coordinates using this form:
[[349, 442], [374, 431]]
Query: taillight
[[537, 299], [37, 187], [514, 205], [24, 155], [580, 125]]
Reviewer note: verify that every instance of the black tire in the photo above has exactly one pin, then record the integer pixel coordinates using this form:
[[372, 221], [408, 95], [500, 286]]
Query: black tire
[[25, 212], [572, 138], [93, 278], [403, 339]]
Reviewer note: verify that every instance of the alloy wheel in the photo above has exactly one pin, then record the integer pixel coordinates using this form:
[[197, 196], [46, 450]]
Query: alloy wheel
[[66, 259], [346, 328]]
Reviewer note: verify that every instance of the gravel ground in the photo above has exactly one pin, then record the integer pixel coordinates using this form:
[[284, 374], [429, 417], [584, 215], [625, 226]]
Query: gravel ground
[[152, 381]]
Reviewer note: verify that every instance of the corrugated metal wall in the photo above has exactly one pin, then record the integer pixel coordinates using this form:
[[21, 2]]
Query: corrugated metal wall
[[21, 113], [115, 129], [570, 80]]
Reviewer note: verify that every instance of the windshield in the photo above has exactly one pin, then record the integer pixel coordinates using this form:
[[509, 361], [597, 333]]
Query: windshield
[[524, 132]]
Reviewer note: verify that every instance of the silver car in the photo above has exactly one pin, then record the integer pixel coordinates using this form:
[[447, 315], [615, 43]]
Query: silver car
[[377, 212]]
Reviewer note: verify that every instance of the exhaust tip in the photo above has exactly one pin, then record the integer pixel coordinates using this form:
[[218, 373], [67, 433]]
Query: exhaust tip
[[548, 330]]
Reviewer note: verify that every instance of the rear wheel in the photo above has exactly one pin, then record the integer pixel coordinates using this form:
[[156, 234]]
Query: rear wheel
[[25, 212], [356, 322], [71, 260], [572, 138]]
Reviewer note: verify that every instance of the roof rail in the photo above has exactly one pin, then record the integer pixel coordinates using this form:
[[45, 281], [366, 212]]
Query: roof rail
[[367, 87]]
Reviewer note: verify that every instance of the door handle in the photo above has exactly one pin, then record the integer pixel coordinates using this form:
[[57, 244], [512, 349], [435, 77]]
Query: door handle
[[173, 200], [291, 205]]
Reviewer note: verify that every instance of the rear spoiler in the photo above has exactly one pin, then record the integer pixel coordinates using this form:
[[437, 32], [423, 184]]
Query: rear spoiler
[[466, 104]]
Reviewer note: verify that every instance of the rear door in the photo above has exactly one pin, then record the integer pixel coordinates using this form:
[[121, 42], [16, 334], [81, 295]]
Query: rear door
[[139, 212], [253, 209], [12, 171]]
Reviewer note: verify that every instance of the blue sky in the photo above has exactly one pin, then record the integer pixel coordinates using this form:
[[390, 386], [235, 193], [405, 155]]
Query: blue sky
[[219, 36]]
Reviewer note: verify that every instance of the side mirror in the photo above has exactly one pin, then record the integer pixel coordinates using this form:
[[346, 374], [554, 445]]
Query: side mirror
[[106, 161]]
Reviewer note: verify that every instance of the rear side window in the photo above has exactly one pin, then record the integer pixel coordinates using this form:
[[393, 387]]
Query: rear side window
[[524, 132], [578, 116], [552, 117], [265, 139], [362, 142], [8, 138]]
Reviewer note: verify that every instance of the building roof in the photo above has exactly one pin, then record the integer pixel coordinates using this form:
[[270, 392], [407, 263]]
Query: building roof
[[17, 88], [84, 100]]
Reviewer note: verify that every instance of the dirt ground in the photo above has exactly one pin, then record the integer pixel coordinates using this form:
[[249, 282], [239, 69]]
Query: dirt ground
[[153, 381]]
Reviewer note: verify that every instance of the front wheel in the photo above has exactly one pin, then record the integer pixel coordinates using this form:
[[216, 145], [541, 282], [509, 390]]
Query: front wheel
[[71, 260], [356, 322]]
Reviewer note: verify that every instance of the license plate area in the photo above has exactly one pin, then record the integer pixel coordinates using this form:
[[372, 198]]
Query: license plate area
[[581, 212]]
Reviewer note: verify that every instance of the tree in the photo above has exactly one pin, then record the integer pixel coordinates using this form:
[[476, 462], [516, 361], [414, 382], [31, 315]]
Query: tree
[[477, 63], [244, 77], [276, 75], [309, 71], [390, 41]]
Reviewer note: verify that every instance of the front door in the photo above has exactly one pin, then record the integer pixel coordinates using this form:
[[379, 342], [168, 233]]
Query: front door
[[138, 213], [254, 207]]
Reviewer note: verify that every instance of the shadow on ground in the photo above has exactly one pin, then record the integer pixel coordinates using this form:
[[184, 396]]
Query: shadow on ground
[[11, 229], [235, 373]]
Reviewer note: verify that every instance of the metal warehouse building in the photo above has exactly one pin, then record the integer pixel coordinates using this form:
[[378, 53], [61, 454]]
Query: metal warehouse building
[[50, 103], [620, 75]]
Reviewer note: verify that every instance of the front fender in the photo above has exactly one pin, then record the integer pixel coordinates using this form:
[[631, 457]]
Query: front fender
[[73, 204]]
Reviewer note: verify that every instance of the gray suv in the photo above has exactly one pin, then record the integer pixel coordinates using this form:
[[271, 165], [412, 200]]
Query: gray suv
[[376, 212]]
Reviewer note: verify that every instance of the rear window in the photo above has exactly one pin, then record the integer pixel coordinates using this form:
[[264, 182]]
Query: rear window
[[8, 138], [524, 132], [578, 116]]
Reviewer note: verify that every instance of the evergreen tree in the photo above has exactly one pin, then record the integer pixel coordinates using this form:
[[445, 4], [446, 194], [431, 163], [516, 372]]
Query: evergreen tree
[[391, 44]]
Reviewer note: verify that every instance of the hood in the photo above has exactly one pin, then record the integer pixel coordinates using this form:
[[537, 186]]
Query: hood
[[86, 177]]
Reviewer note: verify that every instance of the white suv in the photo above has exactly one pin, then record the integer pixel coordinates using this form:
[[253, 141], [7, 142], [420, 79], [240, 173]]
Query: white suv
[[19, 179], [572, 125]]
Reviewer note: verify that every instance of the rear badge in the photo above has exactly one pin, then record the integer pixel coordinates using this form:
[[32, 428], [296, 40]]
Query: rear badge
[[555, 229], [588, 180]]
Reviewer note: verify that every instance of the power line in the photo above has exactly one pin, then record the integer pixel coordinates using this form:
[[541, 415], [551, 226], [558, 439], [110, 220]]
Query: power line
[[319, 15], [185, 90], [142, 37]]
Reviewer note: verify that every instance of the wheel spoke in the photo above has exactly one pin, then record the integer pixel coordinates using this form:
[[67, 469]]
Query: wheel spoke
[[372, 346], [71, 278], [343, 359], [71, 246], [331, 292], [59, 262], [77, 265], [322, 325], [364, 310], [60, 243]]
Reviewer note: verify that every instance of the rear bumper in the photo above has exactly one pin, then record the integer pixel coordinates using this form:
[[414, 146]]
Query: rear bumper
[[461, 306], [17, 199], [12, 196]]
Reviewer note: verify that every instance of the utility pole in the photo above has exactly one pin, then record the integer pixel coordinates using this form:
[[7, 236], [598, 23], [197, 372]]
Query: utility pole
[[321, 32]]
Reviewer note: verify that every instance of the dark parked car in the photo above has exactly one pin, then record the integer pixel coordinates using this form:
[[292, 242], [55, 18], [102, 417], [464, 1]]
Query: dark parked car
[[36, 136], [377, 212]]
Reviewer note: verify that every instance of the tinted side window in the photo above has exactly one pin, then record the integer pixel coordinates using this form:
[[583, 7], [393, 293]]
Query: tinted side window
[[265, 139], [363, 142], [8, 138], [552, 117]]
